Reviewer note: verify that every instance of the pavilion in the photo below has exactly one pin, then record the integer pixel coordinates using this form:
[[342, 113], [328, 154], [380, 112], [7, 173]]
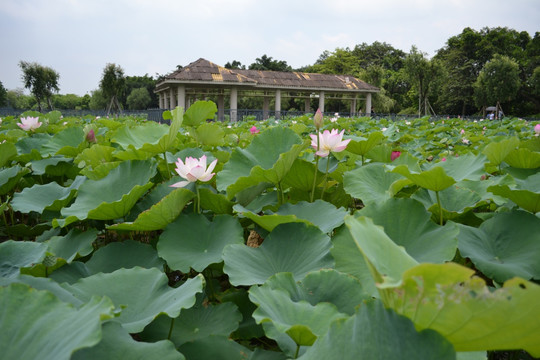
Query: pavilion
[[202, 79]]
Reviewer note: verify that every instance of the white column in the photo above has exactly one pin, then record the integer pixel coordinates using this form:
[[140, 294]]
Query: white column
[[368, 104], [234, 104], [166, 100], [321, 101], [161, 106], [353, 106], [221, 107], [173, 100], [181, 93], [278, 103]]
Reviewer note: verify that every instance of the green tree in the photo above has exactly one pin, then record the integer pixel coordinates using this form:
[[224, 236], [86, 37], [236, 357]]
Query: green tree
[[267, 63], [98, 101], [235, 65], [67, 101], [422, 72], [112, 86], [42, 81], [498, 81], [16, 99], [3, 95], [138, 99], [136, 82]]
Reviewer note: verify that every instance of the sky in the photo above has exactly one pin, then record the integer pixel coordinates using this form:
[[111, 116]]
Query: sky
[[77, 38]]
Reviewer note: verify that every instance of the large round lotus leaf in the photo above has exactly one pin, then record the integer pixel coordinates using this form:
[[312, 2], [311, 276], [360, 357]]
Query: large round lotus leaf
[[268, 158], [9, 178], [143, 293], [195, 323], [408, 224], [215, 347], [468, 166], [447, 298], [36, 325], [301, 175], [95, 155], [288, 322], [496, 152], [217, 203], [293, 247], [199, 112], [350, 260], [136, 137], [114, 195], [526, 194], [74, 244], [210, 134], [50, 196], [127, 254], [504, 246], [247, 329], [454, 199], [7, 152], [118, 344], [434, 179], [523, 159], [327, 285], [192, 241], [361, 146], [65, 142], [70, 273], [386, 260], [372, 183], [160, 214], [379, 334], [17, 254]]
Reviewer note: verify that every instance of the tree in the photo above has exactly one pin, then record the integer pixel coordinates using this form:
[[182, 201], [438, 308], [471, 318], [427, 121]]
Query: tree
[[3, 95], [41, 81], [267, 63], [138, 99], [136, 82], [421, 72], [497, 82], [112, 86], [98, 101], [16, 99], [235, 65]]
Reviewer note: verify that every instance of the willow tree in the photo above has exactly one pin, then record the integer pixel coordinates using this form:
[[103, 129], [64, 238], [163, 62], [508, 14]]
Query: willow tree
[[42, 81], [112, 86]]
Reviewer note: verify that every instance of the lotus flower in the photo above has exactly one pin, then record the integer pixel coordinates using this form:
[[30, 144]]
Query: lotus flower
[[194, 169], [29, 123], [537, 129], [329, 141], [395, 155], [254, 130], [318, 119], [91, 136]]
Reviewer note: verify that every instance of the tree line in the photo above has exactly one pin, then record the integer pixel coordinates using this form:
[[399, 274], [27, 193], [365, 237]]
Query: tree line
[[473, 70]]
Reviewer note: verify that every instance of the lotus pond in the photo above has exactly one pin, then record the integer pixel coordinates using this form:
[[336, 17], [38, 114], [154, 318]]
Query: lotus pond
[[413, 239]]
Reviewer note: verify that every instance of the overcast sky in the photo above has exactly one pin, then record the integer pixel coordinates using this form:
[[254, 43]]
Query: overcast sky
[[77, 38]]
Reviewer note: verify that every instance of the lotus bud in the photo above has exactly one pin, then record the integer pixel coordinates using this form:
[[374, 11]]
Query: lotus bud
[[318, 119]]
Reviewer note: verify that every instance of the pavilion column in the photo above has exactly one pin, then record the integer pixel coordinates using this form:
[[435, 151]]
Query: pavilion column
[[165, 101], [173, 100], [321, 101], [234, 104], [307, 105], [161, 106], [353, 106], [278, 104], [368, 104], [266, 107], [181, 94], [221, 107]]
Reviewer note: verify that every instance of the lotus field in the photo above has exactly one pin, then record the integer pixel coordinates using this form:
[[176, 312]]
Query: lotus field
[[308, 238]]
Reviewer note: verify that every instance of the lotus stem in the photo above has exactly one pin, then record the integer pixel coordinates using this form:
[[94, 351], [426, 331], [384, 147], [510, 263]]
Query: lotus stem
[[297, 351], [325, 176], [440, 208], [167, 165], [316, 169], [170, 329], [198, 200]]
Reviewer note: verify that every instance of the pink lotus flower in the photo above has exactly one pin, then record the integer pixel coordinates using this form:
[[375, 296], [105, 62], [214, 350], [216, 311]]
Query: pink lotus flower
[[254, 130], [462, 132], [443, 159], [537, 129], [91, 136], [318, 119], [29, 123], [329, 141], [194, 169], [395, 155]]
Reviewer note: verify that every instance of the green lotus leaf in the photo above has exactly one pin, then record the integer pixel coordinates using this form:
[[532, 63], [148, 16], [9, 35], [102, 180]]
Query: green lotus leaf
[[50, 196], [434, 179], [160, 214], [75, 243], [95, 155], [301, 175], [114, 195], [192, 241], [15, 255], [282, 317], [293, 247], [504, 246], [247, 329], [372, 183], [523, 159], [386, 260], [210, 134], [195, 323], [66, 142], [124, 286], [199, 112], [408, 224], [468, 166], [100, 171], [215, 347], [455, 200], [55, 166], [70, 273], [136, 137], [9, 178], [118, 344], [127, 254], [268, 158], [56, 328], [350, 260], [217, 203], [526, 194], [447, 298], [496, 152], [29, 145], [481, 188], [8, 151], [361, 146], [378, 333]]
